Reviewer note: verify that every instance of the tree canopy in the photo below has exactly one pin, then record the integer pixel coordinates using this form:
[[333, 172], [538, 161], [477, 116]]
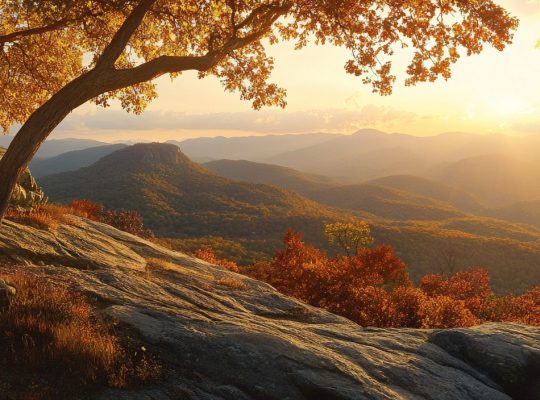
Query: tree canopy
[[350, 236], [56, 55], [45, 44]]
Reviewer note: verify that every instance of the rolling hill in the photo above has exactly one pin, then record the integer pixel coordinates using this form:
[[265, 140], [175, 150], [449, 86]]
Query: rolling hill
[[286, 178], [253, 148], [527, 212], [180, 198], [511, 253], [457, 198], [497, 169], [192, 206], [71, 160], [379, 200], [496, 179], [384, 202]]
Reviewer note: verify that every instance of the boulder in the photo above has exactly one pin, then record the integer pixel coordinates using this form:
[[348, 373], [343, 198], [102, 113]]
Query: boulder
[[27, 195]]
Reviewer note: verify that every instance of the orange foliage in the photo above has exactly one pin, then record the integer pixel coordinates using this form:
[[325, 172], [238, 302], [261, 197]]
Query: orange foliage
[[446, 312], [51, 334], [46, 217], [50, 216], [373, 288], [208, 255], [127, 221], [86, 209], [471, 286]]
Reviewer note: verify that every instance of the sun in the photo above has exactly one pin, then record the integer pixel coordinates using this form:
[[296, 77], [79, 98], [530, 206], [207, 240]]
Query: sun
[[506, 106]]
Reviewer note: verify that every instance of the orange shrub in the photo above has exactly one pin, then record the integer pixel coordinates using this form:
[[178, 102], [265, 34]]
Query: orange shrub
[[524, 309], [87, 209], [51, 335], [405, 307], [446, 312], [471, 286], [47, 216], [127, 221], [300, 270], [373, 288], [208, 255]]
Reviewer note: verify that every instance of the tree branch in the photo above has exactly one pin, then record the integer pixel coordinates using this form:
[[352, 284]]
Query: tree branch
[[268, 19], [14, 36], [121, 39], [120, 78], [117, 79]]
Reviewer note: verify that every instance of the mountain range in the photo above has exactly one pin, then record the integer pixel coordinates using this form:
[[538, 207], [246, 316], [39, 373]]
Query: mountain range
[[179, 198], [497, 170], [183, 200], [71, 160]]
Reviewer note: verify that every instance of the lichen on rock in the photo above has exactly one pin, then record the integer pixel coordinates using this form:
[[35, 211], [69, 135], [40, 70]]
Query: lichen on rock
[[27, 194]]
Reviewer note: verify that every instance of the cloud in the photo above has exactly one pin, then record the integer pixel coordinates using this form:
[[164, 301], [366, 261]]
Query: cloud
[[269, 121]]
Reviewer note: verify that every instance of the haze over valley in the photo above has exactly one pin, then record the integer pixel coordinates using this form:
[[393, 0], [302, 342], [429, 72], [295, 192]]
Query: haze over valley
[[442, 203]]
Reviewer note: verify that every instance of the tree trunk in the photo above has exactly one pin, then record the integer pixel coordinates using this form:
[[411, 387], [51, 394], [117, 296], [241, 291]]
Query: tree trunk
[[37, 128]]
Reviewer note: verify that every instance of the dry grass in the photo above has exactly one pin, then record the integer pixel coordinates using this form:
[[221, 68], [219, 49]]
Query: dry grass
[[158, 264], [55, 347], [232, 282], [47, 217]]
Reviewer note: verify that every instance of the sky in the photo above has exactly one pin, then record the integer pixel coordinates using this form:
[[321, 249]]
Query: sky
[[491, 93]]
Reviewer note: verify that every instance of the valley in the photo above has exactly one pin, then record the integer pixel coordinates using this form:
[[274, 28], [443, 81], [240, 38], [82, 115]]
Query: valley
[[243, 208]]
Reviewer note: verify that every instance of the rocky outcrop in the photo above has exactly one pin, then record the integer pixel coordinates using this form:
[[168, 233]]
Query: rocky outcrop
[[26, 194], [224, 336]]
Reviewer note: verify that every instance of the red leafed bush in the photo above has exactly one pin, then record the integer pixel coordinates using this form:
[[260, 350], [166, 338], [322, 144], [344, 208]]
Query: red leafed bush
[[87, 209], [127, 221], [470, 286], [373, 288], [300, 270], [446, 312], [207, 254]]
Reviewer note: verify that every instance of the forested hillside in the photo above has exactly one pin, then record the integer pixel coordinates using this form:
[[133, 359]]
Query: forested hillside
[[287, 178], [190, 207], [180, 198]]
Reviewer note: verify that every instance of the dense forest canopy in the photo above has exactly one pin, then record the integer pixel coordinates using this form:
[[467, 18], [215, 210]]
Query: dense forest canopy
[[102, 50]]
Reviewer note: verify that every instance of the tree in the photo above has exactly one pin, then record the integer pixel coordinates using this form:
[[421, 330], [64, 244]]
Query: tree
[[56, 55], [350, 236], [373, 288]]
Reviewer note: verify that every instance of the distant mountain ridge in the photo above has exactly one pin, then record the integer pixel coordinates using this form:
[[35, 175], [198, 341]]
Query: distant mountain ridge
[[458, 198], [178, 197], [71, 160], [287, 178], [495, 178], [181, 199], [383, 201], [54, 147], [253, 148]]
